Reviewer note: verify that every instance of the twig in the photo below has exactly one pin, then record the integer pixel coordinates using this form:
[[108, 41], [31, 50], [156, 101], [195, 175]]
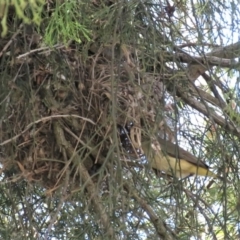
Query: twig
[[11, 40], [159, 224], [86, 181], [38, 50], [43, 120], [54, 215]]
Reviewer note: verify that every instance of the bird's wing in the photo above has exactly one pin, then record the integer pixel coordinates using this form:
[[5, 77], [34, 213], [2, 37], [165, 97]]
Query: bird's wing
[[177, 162], [174, 150]]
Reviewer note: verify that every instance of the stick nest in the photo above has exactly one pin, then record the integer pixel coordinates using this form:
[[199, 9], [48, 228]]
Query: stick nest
[[61, 108]]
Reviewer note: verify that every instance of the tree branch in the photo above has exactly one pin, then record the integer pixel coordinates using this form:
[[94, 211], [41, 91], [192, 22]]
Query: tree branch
[[86, 180], [210, 114], [229, 52], [204, 60], [159, 225]]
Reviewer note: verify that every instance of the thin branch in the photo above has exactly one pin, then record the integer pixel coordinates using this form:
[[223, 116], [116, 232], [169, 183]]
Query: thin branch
[[56, 46], [207, 60], [11, 40], [86, 181], [208, 97], [210, 114], [197, 44], [44, 119], [213, 88], [159, 224], [229, 52]]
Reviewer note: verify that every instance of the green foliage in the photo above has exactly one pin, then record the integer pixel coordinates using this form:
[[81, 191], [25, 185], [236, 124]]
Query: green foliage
[[65, 25], [28, 11]]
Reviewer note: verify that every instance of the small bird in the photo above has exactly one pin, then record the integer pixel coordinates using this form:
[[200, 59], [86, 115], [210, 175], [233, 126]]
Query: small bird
[[173, 160]]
